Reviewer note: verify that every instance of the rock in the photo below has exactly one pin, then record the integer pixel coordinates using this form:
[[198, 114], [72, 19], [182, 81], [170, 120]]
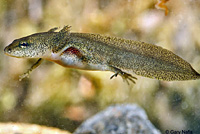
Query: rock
[[119, 119], [22, 128]]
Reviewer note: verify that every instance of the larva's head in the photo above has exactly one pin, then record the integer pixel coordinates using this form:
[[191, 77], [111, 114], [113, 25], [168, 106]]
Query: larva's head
[[39, 45], [33, 46]]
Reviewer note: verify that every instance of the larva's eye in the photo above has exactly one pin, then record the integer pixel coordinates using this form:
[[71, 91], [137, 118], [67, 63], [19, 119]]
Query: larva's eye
[[23, 44]]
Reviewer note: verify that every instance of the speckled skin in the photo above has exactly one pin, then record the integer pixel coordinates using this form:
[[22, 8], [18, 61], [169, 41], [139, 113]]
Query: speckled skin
[[100, 52]]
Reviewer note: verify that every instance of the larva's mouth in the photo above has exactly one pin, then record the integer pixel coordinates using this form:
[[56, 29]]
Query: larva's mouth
[[8, 52]]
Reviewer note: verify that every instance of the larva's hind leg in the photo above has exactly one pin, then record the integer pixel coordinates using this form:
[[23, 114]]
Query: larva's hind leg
[[125, 76]]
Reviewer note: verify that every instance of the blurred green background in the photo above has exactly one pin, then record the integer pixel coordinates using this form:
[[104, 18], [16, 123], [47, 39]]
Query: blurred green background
[[63, 97]]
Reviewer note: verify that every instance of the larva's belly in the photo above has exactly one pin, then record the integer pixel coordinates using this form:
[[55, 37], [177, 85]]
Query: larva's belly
[[68, 59]]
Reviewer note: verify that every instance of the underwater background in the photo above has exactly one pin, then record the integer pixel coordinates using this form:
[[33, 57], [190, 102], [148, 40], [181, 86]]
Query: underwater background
[[63, 97]]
